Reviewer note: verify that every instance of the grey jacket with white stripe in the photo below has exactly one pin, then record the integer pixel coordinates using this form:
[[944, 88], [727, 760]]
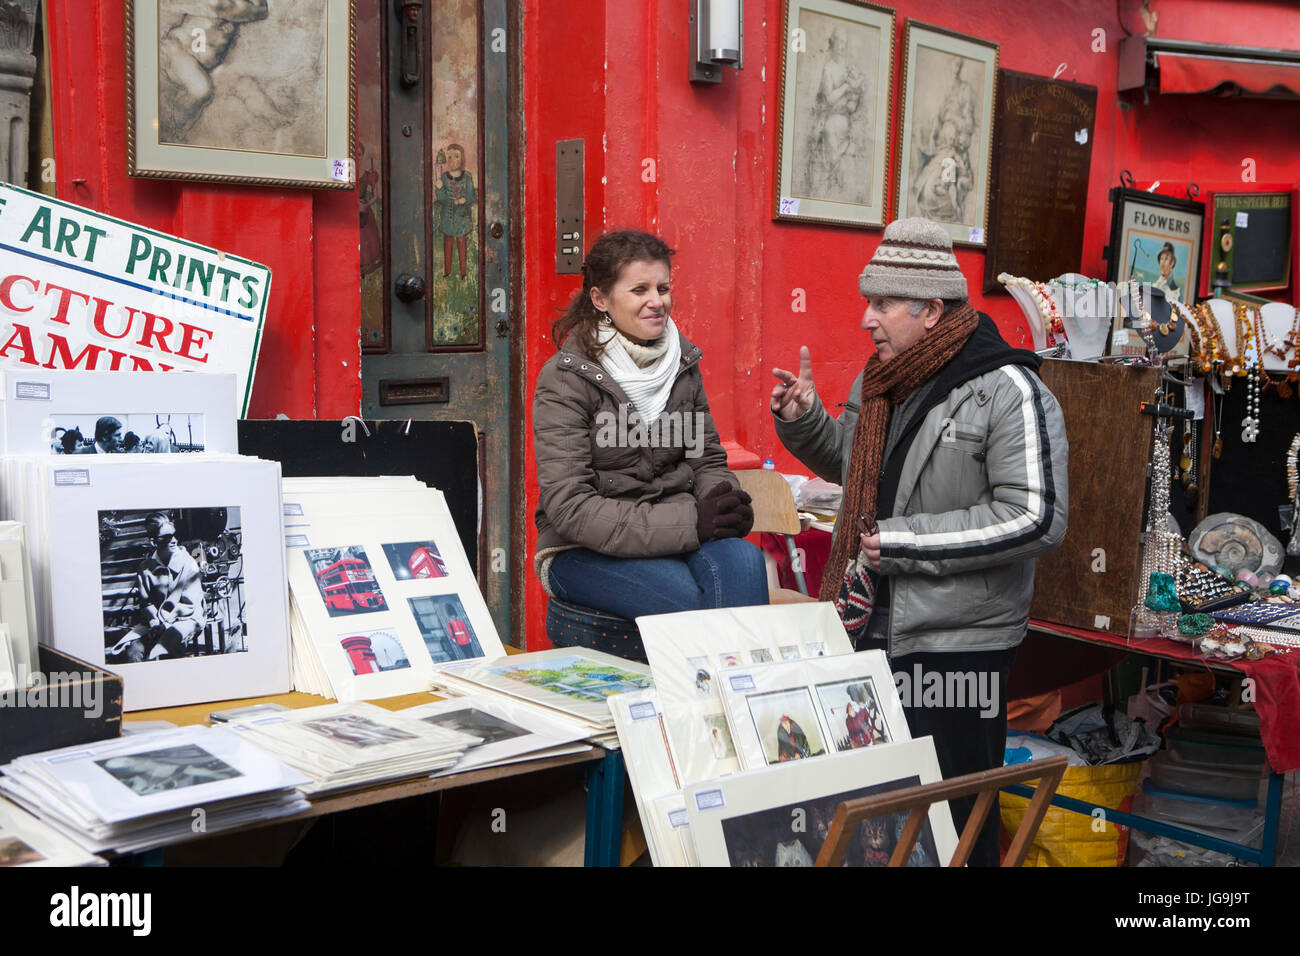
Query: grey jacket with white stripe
[[973, 488]]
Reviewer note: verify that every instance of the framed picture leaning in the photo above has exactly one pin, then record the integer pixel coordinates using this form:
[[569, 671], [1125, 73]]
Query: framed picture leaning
[[837, 68], [241, 91], [946, 130]]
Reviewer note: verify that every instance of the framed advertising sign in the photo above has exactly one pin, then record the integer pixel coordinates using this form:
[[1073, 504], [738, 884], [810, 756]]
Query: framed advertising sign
[[1157, 240], [1258, 252], [82, 290]]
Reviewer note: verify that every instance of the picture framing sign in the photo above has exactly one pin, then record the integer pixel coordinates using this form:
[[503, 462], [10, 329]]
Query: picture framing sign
[[82, 290]]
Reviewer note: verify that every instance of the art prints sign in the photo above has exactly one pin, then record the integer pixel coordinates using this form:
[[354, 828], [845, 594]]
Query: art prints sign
[[83, 290]]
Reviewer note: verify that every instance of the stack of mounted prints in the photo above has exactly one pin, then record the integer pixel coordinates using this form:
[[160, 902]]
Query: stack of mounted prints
[[166, 569], [18, 651], [154, 549], [745, 819], [511, 731], [382, 592], [758, 712], [345, 746], [138, 792], [572, 684], [26, 841]]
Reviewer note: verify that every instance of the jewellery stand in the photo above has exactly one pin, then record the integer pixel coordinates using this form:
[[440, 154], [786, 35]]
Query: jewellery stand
[[1278, 319], [1160, 550], [1087, 308], [1037, 330]]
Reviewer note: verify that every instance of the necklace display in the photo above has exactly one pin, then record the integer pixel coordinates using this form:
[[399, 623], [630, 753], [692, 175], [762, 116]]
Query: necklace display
[[1047, 310], [1162, 549], [1250, 340]]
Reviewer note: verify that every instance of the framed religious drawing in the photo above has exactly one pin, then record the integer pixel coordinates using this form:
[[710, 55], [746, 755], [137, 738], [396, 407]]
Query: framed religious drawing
[[837, 67], [946, 130], [1157, 240], [241, 91]]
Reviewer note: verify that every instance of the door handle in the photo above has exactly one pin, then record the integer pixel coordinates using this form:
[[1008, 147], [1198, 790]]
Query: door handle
[[409, 13], [409, 288]]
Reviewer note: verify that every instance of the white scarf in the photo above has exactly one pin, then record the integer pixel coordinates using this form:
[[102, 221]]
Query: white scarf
[[648, 387]]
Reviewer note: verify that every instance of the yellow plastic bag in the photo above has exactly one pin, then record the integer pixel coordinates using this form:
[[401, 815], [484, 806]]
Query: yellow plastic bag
[[1067, 838]]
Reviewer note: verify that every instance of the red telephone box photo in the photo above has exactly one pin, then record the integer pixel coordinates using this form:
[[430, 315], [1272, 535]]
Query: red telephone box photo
[[414, 560]]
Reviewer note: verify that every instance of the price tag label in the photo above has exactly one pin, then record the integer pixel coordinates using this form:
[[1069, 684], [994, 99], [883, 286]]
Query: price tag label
[[789, 206], [33, 391], [1243, 218], [642, 711], [976, 234], [710, 800], [341, 169]]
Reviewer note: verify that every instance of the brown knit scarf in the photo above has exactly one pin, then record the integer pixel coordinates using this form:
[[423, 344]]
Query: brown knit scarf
[[884, 385]]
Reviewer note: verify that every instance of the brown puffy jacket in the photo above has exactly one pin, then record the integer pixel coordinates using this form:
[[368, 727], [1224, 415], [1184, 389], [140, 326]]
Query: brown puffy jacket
[[602, 486]]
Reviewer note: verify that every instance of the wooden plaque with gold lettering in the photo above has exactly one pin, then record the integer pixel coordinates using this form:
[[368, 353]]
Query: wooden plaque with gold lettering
[[1042, 150]]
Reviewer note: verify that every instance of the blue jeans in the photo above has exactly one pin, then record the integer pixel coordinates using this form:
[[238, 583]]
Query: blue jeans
[[725, 573]]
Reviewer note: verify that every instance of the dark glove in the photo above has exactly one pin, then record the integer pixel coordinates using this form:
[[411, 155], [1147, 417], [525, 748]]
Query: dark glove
[[724, 512], [745, 511]]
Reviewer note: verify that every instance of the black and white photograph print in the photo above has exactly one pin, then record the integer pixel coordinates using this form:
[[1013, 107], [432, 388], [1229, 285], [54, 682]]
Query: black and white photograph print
[[790, 652], [138, 434], [787, 724], [172, 583], [173, 768], [853, 713], [760, 655], [445, 628], [415, 560], [346, 580], [765, 838], [356, 731], [477, 723], [373, 652]]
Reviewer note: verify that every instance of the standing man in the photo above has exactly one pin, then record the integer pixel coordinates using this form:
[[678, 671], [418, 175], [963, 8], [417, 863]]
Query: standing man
[[952, 455]]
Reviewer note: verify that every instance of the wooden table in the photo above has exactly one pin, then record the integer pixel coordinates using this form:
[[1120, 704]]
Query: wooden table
[[604, 782]]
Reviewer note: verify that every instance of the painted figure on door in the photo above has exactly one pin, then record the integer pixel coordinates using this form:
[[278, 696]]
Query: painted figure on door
[[456, 199], [372, 248]]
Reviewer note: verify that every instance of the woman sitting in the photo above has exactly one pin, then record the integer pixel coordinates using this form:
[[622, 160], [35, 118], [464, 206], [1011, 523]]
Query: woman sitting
[[638, 513]]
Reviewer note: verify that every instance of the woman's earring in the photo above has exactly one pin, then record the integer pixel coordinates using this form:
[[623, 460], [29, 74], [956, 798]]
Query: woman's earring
[[604, 317]]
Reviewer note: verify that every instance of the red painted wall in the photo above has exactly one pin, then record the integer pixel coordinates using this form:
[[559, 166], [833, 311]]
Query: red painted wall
[[310, 358], [619, 82]]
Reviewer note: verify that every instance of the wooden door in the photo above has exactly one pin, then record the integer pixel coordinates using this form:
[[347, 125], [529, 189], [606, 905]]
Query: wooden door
[[433, 178]]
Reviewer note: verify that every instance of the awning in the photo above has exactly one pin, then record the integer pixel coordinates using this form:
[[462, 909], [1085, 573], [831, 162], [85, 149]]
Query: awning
[[1190, 73]]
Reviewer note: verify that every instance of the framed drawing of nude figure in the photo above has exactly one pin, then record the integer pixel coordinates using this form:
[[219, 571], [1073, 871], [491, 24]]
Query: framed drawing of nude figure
[[946, 130], [241, 91], [837, 68]]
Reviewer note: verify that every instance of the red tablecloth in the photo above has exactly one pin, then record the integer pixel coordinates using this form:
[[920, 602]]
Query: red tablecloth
[[1276, 690]]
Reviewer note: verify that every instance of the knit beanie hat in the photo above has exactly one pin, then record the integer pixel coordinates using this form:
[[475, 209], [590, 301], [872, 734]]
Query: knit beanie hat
[[914, 261]]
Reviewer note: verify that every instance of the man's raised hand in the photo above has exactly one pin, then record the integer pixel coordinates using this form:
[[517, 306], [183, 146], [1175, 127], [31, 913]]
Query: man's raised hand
[[791, 396]]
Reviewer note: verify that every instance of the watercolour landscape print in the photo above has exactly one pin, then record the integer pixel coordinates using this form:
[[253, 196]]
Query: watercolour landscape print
[[577, 677]]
